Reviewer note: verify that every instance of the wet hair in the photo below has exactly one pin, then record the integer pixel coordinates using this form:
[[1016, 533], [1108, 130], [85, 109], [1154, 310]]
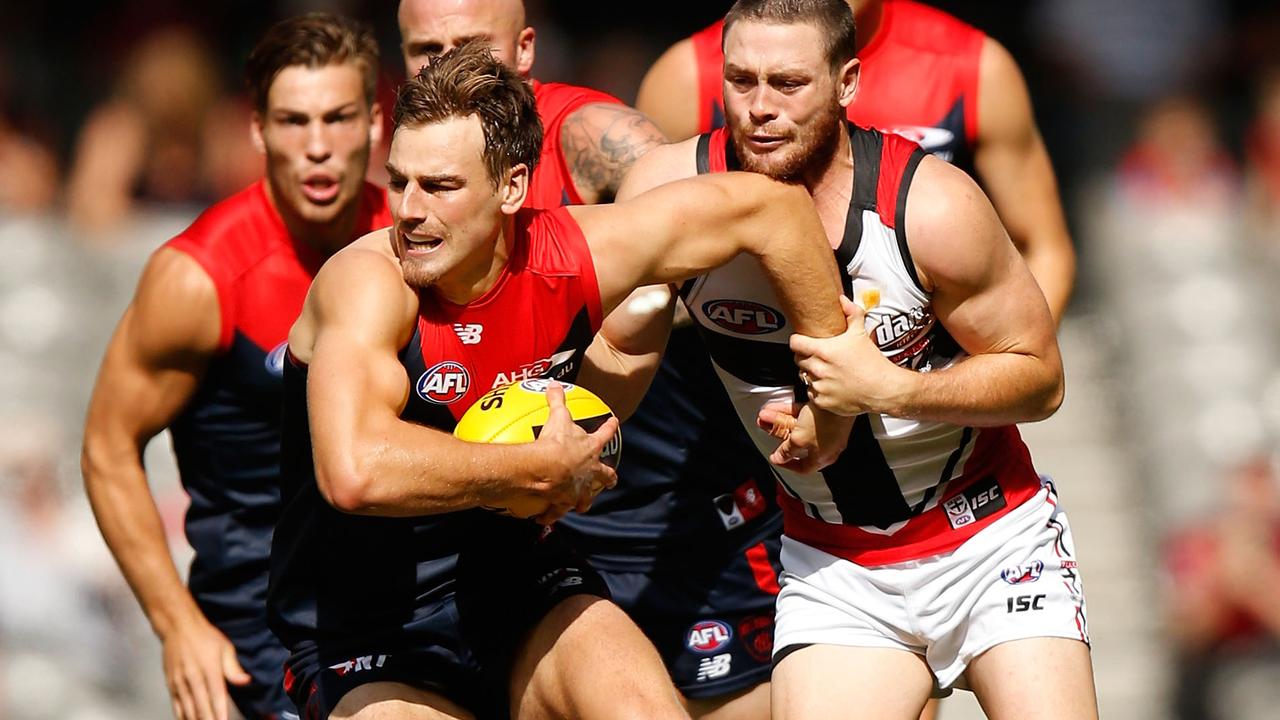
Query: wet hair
[[313, 40], [469, 80], [833, 19]]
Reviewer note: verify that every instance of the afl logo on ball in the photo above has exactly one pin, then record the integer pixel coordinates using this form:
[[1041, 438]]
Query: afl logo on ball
[[444, 383], [743, 316], [709, 636], [539, 385]]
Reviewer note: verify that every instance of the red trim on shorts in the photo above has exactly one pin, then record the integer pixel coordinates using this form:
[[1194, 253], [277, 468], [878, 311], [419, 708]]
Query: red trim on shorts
[[762, 569]]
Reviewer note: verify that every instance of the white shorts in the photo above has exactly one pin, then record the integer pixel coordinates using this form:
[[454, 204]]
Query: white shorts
[[1016, 579]]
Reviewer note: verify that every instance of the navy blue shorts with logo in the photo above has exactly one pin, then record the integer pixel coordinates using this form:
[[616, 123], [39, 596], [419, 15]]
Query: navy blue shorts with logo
[[461, 646], [713, 626], [263, 657]]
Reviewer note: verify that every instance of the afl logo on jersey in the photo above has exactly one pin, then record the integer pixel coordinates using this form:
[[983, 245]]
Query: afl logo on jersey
[[709, 636], [743, 316], [275, 359], [444, 383]]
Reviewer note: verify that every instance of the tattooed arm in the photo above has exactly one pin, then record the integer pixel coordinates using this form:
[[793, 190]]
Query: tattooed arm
[[601, 142]]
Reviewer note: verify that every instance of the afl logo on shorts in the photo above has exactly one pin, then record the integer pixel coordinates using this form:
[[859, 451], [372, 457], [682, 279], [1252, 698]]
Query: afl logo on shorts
[[275, 359], [444, 383], [743, 316], [708, 636], [1019, 574]]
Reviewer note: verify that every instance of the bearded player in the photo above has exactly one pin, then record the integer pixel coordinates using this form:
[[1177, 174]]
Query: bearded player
[[397, 593], [931, 551], [200, 351]]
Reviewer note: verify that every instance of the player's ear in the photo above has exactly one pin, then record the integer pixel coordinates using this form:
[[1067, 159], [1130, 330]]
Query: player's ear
[[515, 188], [375, 124], [525, 51], [847, 81], [255, 134]]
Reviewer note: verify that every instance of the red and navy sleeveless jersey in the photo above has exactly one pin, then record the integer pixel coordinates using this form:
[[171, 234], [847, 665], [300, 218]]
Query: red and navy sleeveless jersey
[[903, 489], [552, 182], [335, 573], [919, 78], [227, 439]]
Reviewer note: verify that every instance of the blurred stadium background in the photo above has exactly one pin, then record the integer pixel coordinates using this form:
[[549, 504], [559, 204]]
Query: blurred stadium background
[[120, 121]]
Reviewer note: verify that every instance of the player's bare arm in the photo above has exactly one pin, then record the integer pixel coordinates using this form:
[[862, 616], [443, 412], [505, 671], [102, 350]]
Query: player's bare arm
[[1014, 166], [983, 295], [152, 367], [601, 142], [357, 317], [624, 355], [682, 229], [668, 93]]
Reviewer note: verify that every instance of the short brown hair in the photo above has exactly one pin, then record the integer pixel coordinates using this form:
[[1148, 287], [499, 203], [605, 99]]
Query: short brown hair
[[313, 40], [469, 80], [833, 19]]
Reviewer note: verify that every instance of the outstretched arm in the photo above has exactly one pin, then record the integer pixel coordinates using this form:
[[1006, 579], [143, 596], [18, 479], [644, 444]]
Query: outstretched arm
[[357, 317], [685, 228], [1016, 172], [152, 367], [601, 142]]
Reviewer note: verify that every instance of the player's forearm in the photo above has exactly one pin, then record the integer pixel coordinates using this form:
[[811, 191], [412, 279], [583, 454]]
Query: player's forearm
[[986, 390], [796, 257], [622, 359], [409, 470], [131, 526]]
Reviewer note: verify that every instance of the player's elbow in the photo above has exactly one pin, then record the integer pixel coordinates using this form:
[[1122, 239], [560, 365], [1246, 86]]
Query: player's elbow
[[1049, 399], [345, 488]]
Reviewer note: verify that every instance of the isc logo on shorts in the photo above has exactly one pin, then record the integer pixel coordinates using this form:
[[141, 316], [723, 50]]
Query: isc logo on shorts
[[743, 316], [444, 383], [708, 636]]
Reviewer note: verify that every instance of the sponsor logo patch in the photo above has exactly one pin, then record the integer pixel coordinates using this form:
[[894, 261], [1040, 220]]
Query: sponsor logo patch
[[358, 664], [1023, 603], [708, 636], [468, 333], [555, 367], [976, 502], [743, 316], [539, 385], [714, 667], [1019, 574], [444, 383]]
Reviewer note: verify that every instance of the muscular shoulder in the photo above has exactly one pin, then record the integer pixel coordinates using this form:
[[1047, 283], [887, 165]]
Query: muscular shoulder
[[175, 308], [669, 91], [1004, 105], [952, 229], [601, 141], [661, 165]]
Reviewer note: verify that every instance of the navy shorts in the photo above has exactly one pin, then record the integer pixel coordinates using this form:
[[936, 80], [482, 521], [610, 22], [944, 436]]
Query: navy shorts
[[460, 646], [712, 625], [262, 656]]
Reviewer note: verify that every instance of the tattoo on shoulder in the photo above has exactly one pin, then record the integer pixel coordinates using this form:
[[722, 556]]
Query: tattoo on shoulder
[[601, 142]]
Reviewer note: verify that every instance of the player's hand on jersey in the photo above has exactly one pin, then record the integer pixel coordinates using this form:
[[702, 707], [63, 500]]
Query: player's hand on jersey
[[574, 474], [811, 439], [199, 661], [846, 374]]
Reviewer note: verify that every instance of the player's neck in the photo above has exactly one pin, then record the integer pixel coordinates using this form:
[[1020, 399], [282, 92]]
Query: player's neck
[[477, 275], [831, 186], [324, 238]]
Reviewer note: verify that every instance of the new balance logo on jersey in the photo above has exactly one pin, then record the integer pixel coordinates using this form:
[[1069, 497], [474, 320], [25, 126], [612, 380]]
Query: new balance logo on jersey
[[469, 334], [444, 383], [743, 316], [714, 667], [976, 502], [357, 664]]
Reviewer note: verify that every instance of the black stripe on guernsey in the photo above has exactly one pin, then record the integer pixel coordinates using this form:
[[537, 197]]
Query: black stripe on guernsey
[[950, 468], [900, 214], [866, 176], [752, 361], [704, 153], [863, 486]]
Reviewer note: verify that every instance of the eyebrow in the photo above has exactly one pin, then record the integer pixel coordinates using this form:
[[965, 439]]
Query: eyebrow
[[436, 178], [349, 105]]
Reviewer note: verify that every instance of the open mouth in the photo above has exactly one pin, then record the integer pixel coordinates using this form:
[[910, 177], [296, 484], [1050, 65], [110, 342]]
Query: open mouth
[[420, 244], [320, 189]]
